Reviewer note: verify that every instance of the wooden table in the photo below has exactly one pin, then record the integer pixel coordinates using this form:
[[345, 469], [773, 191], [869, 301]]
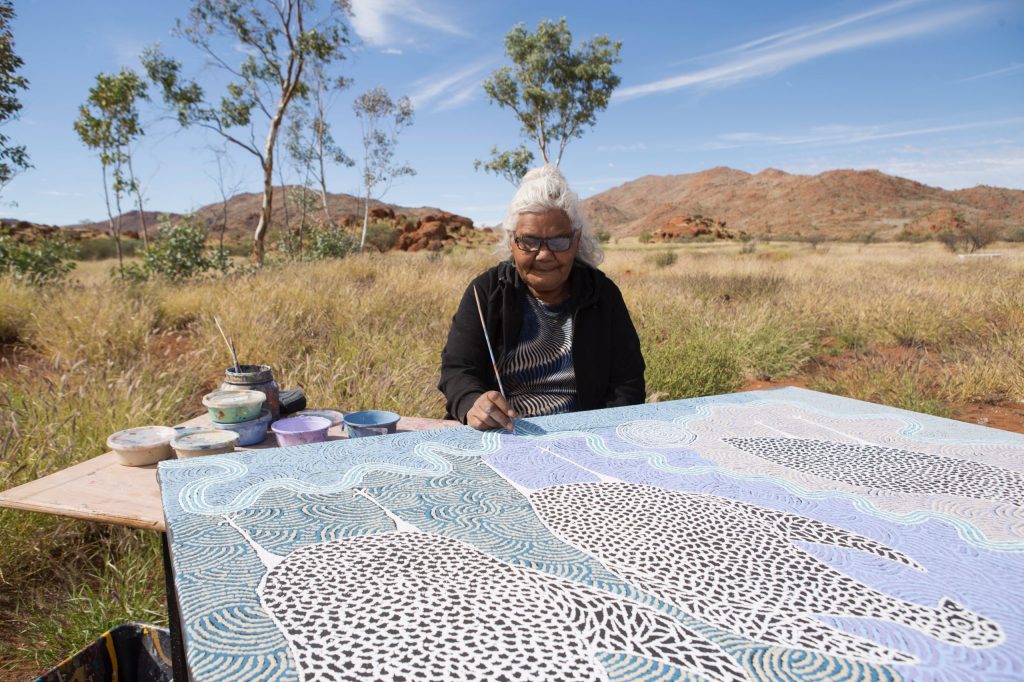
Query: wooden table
[[100, 489]]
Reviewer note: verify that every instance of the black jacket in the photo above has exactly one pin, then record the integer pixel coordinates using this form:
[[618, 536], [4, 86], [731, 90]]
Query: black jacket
[[605, 347]]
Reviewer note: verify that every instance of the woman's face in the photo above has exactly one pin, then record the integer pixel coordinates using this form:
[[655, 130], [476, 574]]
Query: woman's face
[[545, 271]]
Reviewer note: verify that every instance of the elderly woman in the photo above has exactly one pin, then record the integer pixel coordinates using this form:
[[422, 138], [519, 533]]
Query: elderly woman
[[561, 334]]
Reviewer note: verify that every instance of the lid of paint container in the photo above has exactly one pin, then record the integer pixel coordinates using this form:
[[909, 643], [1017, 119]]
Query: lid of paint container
[[334, 416], [141, 438], [300, 425], [227, 398], [205, 439]]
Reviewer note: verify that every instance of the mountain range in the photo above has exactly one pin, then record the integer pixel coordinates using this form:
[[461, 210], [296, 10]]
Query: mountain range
[[839, 203], [844, 204]]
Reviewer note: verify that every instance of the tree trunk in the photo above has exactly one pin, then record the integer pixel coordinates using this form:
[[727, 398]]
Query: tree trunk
[[366, 220], [115, 232], [138, 199], [265, 211]]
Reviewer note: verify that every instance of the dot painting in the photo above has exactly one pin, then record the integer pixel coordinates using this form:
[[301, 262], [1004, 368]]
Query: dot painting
[[769, 535]]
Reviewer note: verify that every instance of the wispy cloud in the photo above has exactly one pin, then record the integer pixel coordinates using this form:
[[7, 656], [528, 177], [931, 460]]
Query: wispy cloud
[[846, 135], [386, 22], [993, 74], [771, 54], [58, 193], [450, 91]]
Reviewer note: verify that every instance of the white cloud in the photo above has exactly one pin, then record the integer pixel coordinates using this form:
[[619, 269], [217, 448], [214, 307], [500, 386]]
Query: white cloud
[[391, 50], [450, 91], [385, 22], [838, 134], [770, 54], [992, 74]]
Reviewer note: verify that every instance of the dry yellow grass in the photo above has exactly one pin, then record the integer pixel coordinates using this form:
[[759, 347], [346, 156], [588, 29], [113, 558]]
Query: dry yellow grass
[[913, 326]]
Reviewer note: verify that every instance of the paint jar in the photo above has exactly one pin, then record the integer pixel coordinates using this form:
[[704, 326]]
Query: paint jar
[[255, 378], [371, 423], [204, 442], [300, 430], [234, 406], [252, 432], [142, 445]]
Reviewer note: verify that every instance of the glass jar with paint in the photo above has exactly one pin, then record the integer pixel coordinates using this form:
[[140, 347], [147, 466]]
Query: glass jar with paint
[[255, 378]]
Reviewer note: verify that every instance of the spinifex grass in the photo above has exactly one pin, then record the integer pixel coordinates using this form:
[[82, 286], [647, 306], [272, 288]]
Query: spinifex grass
[[918, 327]]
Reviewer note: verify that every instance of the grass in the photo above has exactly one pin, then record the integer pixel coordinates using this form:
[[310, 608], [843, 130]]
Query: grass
[[906, 325]]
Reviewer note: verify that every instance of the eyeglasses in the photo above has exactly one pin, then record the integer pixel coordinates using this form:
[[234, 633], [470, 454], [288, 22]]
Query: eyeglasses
[[554, 244]]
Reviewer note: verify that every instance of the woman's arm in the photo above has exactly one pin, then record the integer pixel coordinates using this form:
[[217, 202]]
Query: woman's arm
[[465, 365], [626, 384]]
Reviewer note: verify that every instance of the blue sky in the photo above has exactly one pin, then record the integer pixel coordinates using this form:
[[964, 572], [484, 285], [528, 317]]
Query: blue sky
[[931, 90]]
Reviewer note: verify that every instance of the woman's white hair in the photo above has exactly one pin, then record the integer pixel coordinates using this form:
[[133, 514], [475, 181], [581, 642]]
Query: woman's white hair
[[545, 189]]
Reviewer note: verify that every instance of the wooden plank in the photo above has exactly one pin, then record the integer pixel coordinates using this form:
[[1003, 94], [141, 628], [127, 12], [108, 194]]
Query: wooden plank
[[100, 489]]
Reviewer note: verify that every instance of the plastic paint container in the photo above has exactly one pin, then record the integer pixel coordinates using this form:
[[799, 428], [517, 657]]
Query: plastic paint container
[[371, 423], [334, 416], [234, 406], [142, 445], [250, 432], [300, 430], [255, 378], [204, 442]]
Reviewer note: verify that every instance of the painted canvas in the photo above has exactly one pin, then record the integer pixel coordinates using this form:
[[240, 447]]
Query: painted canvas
[[771, 535]]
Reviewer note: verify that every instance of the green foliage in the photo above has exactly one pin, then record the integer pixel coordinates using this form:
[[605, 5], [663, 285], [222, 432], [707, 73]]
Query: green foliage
[[554, 91], [381, 119], [179, 253], [102, 248], [13, 158], [46, 261], [603, 235], [511, 164], [1015, 235], [665, 258], [692, 363], [645, 238], [270, 56], [382, 236], [329, 242]]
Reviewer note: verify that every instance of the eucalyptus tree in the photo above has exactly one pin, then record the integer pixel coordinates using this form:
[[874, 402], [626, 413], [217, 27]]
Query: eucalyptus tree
[[381, 118], [108, 122], [310, 142], [13, 158], [554, 90], [265, 48]]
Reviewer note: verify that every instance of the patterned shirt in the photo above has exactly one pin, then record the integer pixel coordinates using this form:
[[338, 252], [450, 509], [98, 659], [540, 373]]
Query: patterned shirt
[[538, 374]]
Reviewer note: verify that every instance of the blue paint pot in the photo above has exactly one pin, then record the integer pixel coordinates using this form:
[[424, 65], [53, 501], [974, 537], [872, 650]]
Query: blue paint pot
[[371, 423], [249, 432]]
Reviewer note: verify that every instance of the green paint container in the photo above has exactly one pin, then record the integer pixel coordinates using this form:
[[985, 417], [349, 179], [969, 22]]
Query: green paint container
[[233, 406]]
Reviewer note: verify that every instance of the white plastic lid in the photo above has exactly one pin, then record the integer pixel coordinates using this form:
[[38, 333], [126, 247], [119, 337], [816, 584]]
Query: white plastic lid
[[233, 398], [141, 438], [207, 439]]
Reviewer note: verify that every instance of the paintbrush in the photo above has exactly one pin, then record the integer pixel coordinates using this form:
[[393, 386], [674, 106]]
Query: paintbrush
[[487, 339], [231, 346]]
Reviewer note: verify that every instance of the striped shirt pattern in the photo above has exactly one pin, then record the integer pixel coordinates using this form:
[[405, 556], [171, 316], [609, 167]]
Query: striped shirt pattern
[[538, 374]]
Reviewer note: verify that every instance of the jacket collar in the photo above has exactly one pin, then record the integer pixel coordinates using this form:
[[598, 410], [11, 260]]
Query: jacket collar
[[584, 282]]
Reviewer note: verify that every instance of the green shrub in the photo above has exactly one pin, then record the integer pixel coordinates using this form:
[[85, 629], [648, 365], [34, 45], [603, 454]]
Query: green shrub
[[603, 235], [104, 248], [665, 258], [1015, 235], [45, 261], [382, 236], [179, 253], [646, 237], [686, 365], [330, 242]]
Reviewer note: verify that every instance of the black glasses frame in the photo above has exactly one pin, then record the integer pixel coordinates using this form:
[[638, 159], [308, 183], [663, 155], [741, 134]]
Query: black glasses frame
[[554, 244]]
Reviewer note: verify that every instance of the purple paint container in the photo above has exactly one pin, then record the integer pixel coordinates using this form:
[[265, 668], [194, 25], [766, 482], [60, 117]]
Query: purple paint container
[[300, 430]]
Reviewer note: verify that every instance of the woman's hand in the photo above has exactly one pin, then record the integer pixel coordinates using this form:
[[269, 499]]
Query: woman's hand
[[490, 411]]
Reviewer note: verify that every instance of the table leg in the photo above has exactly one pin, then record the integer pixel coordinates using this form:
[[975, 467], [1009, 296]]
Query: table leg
[[178, 664]]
